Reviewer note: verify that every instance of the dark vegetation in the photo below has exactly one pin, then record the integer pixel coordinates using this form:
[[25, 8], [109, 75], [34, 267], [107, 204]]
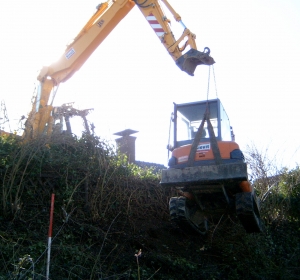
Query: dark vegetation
[[107, 210]]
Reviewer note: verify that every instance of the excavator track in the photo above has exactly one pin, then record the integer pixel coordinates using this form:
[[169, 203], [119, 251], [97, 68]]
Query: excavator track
[[188, 217], [248, 212]]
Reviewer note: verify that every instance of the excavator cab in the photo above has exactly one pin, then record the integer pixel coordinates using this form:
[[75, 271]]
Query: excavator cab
[[188, 117], [208, 170], [187, 120]]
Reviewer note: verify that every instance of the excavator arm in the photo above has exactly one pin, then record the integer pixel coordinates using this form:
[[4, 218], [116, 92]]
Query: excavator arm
[[187, 61], [106, 18]]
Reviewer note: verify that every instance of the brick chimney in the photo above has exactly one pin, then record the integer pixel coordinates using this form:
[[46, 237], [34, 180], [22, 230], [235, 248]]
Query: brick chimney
[[126, 144]]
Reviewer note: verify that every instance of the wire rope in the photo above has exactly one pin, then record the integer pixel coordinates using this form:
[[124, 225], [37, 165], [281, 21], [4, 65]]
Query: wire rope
[[215, 81], [208, 83]]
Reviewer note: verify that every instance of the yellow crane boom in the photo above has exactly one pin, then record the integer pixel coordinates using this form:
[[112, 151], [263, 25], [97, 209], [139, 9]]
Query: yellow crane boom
[[103, 21]]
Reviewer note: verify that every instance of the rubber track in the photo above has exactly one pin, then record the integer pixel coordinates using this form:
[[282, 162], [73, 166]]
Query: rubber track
[[177, 208], [248, 213]]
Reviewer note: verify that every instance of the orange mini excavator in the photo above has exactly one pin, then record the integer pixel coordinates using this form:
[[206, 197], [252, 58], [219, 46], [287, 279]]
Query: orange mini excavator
[[208, 170]]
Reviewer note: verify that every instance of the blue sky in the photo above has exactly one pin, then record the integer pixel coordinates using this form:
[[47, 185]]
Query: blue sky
[[131, 82]]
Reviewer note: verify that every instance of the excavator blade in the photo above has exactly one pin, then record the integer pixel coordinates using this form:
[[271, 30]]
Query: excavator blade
[[191, 59], [205, 175]]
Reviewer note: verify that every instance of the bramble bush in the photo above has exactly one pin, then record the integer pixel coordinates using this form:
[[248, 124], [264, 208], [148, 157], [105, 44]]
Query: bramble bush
[[106, 210]]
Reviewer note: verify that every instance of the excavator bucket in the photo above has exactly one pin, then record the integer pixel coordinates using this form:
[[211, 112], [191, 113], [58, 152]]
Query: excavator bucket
[[191, 59]]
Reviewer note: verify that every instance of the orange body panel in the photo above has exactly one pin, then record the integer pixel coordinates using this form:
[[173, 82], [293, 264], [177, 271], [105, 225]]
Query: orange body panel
[[245, 186], [204, 151]]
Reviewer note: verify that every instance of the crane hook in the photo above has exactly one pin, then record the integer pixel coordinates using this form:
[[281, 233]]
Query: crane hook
[[206, 50]]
